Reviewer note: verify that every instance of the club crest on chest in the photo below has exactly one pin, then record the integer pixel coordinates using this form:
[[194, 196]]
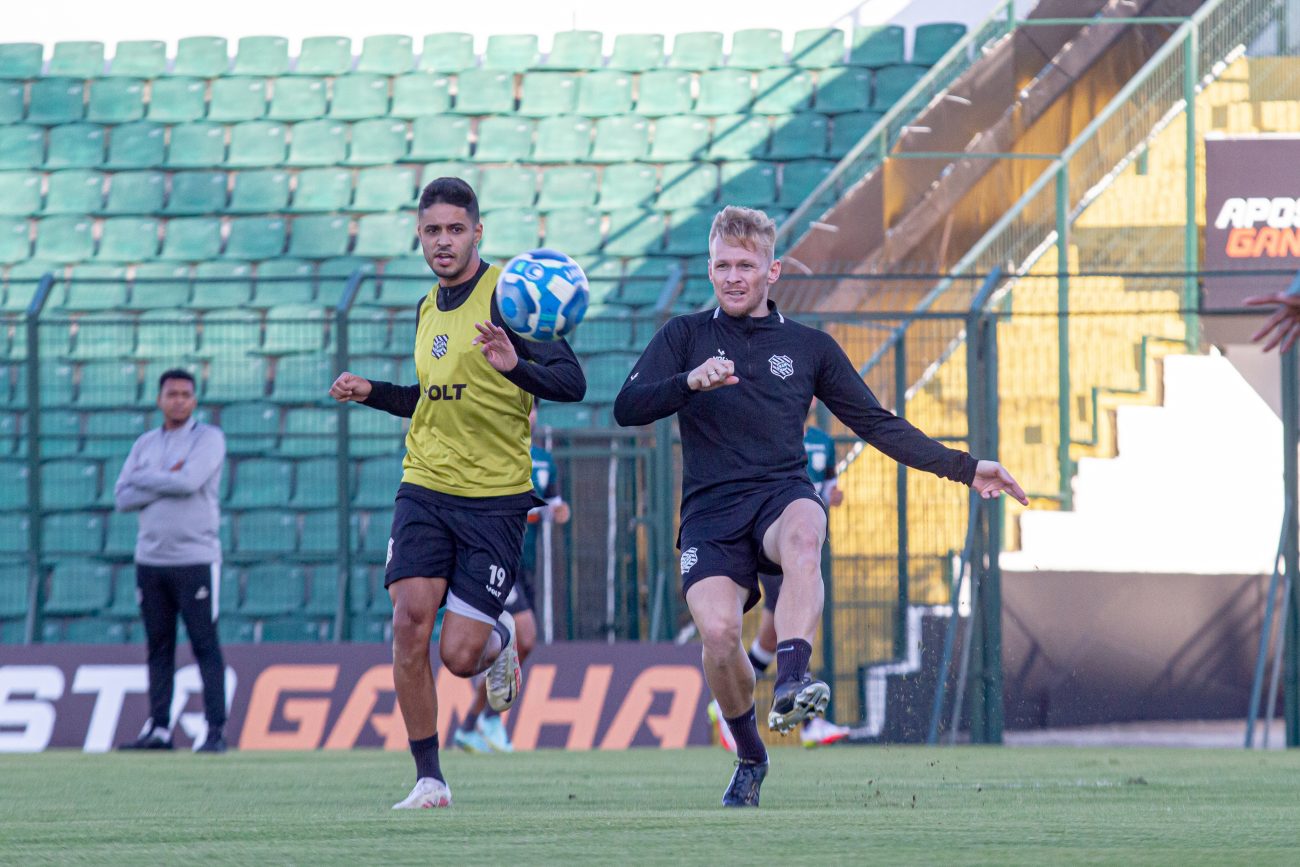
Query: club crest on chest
[[440, 346]]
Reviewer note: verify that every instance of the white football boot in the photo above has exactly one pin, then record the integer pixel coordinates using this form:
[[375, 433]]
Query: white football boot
[[503, 676], [427, 794]]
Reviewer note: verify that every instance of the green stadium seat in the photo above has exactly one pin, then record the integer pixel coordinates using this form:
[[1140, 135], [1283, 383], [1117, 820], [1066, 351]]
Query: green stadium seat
[[318, 237], [381, 141], [264, 533], [103, 335], [664, 91], [257, 144], [644, 282], [637, 52], [284, 281], [262, 55], [748, 182], [543, 94], [628, 185], [322, 190], [739, 137], [377, 481], [368, 328], [688, 231], [679, 137], [64, 238], [20, 194], [15, 245], [69, 484], [603, 333], [511, 231], [383, 236], [236, 378], [843, 89], [507, 187], [255, 238], [191, 239], [333, 275], [232, 629], [386, 55], [14, 496], [201, 57], [294, 328], [166, 334], [21, 147], [320, 536], [620, 139], [403, 282], [119, 541], [106, 383], [606, 374], [315, 143], [817, 48], [76, 146], [892, 82], [930, 42], [799, 136], [385, 188], [324, 55], [79, 586], [485, 92], [75, 191], [77, 59], [302, 379], [259, 191], [140, 58], [568, 187], [634, 232], [447, 52], [848, 130], [421, 94], [110, 434], [513, 52], [360, 96], [783, 91], [686, 185], [604, 274], [177, 100], [160, 284], [237, 99], [60, 433], [604, 92], [562, 139], [138, 146], [273, 588], [467, 172], [725, 91], [95, 630], [21, 59], [875, 46], [504, 139], [312, 433], [322, 593], [575, 231], [259, 483], [374, 433], [196, 193], [129, 193], [756, 48], [696, 51], [128, 239], [576, 50], [97, 286], [439, 138], [799, 179], [12, 101], [251, 427], [197, 146], [116, 100], [297, 98], [221, 284]]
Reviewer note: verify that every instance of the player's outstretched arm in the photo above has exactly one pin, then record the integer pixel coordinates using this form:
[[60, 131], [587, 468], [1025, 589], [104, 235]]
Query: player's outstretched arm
[[545, 369], [398, 400], [349, 386], [659, 384], [1282, 328], [992, 479]]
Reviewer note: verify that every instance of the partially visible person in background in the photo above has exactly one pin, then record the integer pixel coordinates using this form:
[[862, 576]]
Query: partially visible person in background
[[1283, 327]]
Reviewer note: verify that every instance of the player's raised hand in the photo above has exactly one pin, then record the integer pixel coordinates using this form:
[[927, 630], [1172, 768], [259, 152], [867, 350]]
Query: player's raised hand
[[349, 386], [991, 479], [1283, 327], [496, 346], [714, 373]]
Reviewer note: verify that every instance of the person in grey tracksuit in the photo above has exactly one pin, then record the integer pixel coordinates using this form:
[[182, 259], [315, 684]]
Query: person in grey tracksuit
[[172, 477]]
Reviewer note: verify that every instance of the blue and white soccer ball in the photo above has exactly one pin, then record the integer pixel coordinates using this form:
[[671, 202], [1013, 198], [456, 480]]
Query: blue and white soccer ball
[[542, 295]]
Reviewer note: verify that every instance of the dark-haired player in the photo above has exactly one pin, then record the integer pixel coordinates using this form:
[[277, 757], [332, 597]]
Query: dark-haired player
[[460, 512]]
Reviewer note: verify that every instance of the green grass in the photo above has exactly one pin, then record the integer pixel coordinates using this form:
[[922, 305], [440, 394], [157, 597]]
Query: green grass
[[878, 805]]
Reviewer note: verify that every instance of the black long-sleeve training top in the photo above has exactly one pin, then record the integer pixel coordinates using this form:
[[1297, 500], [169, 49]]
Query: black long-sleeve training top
[[742, 436], [547, 370]]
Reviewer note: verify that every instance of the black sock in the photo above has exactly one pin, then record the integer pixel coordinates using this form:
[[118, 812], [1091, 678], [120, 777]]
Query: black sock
[[792, 658], [759, 658], [744, 728], [425, 752], [467, 724]]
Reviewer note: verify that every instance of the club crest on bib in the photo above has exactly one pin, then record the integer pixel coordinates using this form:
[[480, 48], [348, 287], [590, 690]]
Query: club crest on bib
[[781, 366], [440, 346], [689, 558]]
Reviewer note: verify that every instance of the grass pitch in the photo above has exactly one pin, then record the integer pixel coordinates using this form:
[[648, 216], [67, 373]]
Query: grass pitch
[[844, 804]]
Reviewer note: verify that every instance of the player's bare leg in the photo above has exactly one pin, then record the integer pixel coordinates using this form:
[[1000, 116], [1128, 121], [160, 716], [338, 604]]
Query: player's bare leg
[[415, 607], [470, 646], [482, 730]]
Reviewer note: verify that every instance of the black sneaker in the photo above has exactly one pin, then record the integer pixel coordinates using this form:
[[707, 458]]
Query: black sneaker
[[215, 742], [795, 701], [745, 783], [152, 738]]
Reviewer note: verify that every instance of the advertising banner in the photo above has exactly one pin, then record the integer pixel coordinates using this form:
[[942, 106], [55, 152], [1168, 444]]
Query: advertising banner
[[576, 696]]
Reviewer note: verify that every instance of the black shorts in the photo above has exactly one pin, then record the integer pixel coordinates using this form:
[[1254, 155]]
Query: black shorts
[[771, 584], [476, 549], [521, 595], [727, 539]]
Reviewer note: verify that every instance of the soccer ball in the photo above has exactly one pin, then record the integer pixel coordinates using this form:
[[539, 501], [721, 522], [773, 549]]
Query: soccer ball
[[542, 295]]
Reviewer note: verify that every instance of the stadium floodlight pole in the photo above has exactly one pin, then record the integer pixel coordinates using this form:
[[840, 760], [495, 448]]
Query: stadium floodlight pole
[[34, 536], [341, 631]]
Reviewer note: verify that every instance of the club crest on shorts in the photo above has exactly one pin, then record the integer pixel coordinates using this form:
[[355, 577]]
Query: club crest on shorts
[[689, 558], [440, 346], [781, 365]]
